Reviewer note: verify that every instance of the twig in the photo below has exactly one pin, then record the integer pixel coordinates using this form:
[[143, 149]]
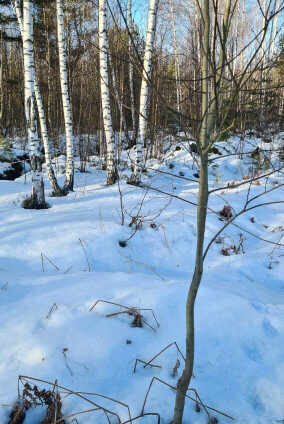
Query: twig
[[88, 264], [54, 306], [144, 266], [68, 269], [149, 363], [146, 363], [165, 236], [5, 285], [101, 221], [155, 414], [187, 396], [276, 244], [132, 312], [246, 181], [42, 262], [163, 350], [259, 238]]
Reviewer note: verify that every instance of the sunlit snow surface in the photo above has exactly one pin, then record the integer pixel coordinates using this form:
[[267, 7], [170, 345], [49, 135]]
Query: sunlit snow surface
[[239, 312]]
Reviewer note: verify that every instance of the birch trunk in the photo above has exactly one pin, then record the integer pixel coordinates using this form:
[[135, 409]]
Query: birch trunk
[[123, 125], [37, 200], [69, 176], [144, 93], [177, 67], [1, 78], [56, 190], [131, 70], [274, 30], [43, 128], [105, 98]]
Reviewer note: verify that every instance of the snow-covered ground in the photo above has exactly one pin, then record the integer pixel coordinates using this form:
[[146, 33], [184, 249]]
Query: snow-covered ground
[[48, 331]]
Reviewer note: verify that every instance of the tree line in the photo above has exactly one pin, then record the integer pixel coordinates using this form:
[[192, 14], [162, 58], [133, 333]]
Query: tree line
[[196, 72]]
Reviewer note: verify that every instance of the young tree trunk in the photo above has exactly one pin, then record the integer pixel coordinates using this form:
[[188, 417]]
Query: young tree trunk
[[37, 200], [144, 93], [184, 381], [69, 176], [108, 129], [42, 121], [208, 120]]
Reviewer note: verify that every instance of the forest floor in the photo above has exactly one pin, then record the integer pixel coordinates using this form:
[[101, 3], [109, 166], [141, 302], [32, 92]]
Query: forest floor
[[56, 263]]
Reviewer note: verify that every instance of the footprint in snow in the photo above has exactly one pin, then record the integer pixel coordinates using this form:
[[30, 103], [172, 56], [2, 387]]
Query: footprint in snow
[[258, 406], [259, 307], [253, 352], [268, 328]]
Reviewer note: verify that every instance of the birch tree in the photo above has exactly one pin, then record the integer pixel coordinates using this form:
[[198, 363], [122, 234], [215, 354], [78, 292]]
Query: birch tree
[[274, 28], [131, 69], [111, 166], [1, 76], [144, 93], [69, 176], [177, 67], [123, 126], [37, 199], [42, 121]]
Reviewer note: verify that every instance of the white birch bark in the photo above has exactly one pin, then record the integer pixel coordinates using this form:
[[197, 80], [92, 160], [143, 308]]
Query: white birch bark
[[177, 67], [131, 69], [144, 93], [2, 27], [37, 200], [274, 29], [123, 126], [69, 175], [43, 128], [105, 98], [263, 27]]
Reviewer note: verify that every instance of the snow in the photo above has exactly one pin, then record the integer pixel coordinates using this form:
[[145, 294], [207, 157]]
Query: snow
[[239, 311]]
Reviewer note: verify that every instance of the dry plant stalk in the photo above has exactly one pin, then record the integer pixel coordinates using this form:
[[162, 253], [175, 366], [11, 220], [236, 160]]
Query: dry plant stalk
[[34, 396], [229, 249], [81, 243], [197, 400], [226, 213], [131, 311], [18, 415], [149, 363], [42, 262], [5, 285], [175, 369], [154, 414], [53, 308]]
